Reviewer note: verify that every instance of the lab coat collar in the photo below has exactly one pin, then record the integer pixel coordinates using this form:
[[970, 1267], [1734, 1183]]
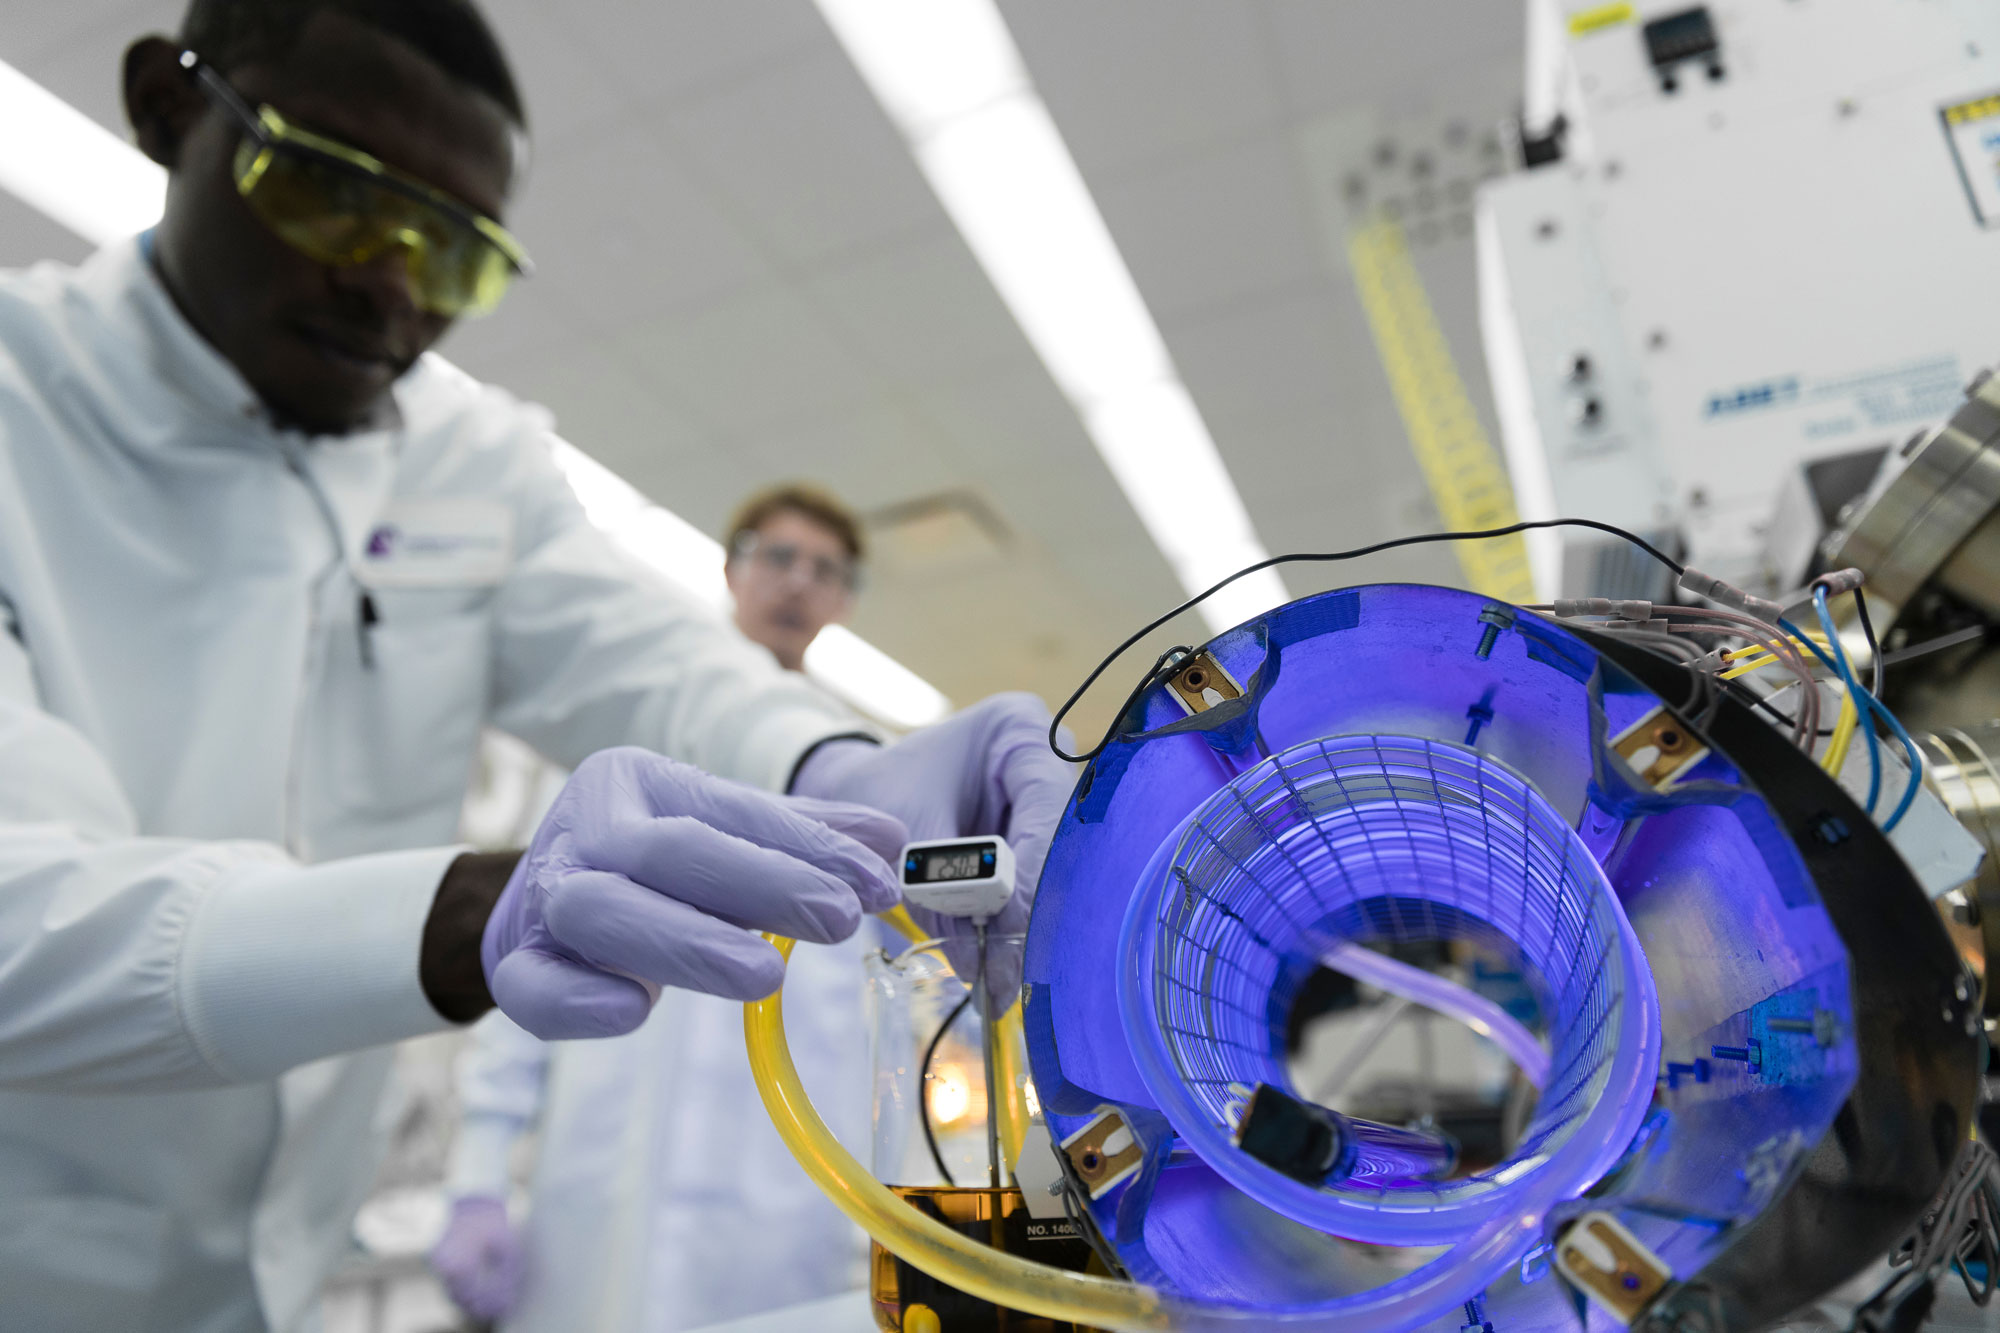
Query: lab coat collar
[[129, 295]]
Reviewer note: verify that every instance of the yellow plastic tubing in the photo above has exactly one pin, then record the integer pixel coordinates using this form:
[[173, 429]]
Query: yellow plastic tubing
[[955, 1260]]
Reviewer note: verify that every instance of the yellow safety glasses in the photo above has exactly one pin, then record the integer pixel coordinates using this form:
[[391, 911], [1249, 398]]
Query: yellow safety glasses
[[338, 205]]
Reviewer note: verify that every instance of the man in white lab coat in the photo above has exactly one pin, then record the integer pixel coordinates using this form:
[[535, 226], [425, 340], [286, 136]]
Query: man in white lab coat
[[661, 1197], [266, 569]]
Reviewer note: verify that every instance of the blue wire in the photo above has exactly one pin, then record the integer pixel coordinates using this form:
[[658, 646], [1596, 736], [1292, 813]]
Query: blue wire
[[1916, 758], [1845, 671], [1881, 710], [1872, 704]]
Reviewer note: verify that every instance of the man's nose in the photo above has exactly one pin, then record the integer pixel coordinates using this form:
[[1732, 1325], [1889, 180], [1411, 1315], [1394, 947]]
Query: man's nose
[[383, 281]]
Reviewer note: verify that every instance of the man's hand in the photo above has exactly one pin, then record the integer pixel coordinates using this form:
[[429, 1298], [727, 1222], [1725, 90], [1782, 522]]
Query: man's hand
[[988, 769], [479, 1258], [647, 873]]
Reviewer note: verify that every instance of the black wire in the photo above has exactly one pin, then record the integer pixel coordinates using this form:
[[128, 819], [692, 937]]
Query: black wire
[[1874, 648], [1937, 645], [1308, 557], [1086, 1227], [1751, 696], [924, 1091]]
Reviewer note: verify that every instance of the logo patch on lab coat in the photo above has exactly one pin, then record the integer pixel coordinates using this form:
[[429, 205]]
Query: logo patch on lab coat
[[438, 543]]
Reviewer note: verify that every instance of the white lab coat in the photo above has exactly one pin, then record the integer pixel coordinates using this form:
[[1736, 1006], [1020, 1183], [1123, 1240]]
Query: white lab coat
[[661, 1197], [221, 828]]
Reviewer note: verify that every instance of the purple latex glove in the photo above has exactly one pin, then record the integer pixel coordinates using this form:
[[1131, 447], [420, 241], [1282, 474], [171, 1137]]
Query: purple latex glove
[[649, 873], [479, 1257], [988, 769]]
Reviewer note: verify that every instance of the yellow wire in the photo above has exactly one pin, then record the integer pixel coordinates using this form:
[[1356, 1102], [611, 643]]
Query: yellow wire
[[1748, 667], [1843, 732], [955, 1260]]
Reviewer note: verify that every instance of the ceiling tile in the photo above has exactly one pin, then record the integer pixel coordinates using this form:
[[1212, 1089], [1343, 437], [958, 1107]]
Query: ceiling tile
[[806, 159], [1214, 226], [879, 455], [1130, 85], [83, 65], [624, 233], [691, 48], [1297, 349], [559, 76], [759, 359], [35, 33], [923, 311], [1396, 55]]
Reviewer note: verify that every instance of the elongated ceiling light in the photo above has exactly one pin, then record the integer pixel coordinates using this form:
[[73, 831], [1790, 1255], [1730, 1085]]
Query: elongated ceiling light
[[61, 162], [950, 77], [64, 164]]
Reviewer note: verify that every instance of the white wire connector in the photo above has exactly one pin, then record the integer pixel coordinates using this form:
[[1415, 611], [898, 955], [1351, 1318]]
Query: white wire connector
[[1603, 606], [1731, 596], [1839, 581]]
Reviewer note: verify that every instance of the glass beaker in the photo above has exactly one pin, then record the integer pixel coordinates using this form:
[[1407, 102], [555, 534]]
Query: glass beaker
[[930, 1144], [930, 1096]]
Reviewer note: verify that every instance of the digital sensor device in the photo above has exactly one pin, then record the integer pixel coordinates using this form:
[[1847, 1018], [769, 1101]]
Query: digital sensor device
[[969, 877]]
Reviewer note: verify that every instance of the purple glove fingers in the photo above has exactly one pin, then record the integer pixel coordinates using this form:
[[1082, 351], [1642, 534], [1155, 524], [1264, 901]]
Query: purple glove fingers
[[881, 833], [683, 859], [754, 816], [558, 998], [610, 923]]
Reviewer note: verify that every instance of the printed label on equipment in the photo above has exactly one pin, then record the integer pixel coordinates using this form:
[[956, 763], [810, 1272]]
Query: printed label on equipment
[[1880, 396], [1973, 128], [1058, 1229]]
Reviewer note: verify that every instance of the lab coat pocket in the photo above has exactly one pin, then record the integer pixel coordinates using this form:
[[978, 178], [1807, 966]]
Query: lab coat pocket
[[405, 710], [74, 1263]]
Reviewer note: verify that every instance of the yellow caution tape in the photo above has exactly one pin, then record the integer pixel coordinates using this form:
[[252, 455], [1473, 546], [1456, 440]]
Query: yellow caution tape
[[1978, 109], [1600, 17], [1467, 479]]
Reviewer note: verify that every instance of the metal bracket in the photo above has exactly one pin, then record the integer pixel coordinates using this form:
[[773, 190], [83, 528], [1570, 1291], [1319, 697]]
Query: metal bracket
[[1201, 682], [1667, 747], [1611, 1266], [1104, 1152]]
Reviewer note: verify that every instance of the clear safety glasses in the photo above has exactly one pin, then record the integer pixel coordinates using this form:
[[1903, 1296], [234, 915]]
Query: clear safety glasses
[[338, 205], [783, 558]]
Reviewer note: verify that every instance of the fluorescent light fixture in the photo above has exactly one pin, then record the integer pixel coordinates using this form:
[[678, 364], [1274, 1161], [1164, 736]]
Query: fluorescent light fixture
[[63, 163], [846, 664], [873, 681], [949, 75]]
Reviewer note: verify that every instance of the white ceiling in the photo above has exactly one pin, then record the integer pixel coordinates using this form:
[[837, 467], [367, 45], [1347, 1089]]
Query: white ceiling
[[743, 277]]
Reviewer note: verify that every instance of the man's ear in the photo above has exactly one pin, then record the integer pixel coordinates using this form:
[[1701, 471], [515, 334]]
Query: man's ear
[[162, 100]]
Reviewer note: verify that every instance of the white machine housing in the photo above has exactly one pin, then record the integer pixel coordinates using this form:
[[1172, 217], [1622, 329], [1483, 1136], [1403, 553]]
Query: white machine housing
[[1716, 284]]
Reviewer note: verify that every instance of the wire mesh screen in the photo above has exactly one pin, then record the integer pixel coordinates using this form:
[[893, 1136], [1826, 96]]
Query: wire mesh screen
[[1382, 840]]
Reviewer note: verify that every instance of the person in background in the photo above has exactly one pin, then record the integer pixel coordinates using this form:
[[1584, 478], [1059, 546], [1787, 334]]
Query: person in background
[[267, 568], [794, 554], [661, 1198]]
